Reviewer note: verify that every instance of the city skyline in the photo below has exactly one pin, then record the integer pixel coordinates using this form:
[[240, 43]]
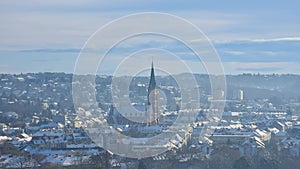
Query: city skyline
[[150, 84]]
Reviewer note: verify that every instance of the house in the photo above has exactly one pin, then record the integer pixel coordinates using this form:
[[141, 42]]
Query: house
[[54, 139], [230, 116], [292, 145], [251, 146]]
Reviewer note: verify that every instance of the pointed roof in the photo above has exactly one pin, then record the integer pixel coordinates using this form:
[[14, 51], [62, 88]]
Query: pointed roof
[[152, 82]]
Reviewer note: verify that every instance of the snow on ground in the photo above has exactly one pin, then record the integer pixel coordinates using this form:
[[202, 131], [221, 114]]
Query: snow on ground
[[64, 157], [15, 161]]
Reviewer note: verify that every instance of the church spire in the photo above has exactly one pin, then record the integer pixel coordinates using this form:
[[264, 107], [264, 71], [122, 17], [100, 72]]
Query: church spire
[[152, 99], [152, 82]]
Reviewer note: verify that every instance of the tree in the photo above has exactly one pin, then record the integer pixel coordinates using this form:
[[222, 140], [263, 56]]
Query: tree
[[267, 164], [100, 160], [241, 163], [20, 161], [7, 148], [141, 165], [223, 157], [35, 159], [228, 142]]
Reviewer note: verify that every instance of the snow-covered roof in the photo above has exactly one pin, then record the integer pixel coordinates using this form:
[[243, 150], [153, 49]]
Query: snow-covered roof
[[48, 133]]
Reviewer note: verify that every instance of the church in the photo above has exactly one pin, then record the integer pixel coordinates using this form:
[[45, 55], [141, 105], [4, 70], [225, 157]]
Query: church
[[149, 112]]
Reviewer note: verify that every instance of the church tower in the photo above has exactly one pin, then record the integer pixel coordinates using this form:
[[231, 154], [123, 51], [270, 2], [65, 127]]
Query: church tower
[[152, 101]]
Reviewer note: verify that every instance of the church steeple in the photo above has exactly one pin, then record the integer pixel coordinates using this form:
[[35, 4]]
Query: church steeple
[[152, 83], [152, 100]]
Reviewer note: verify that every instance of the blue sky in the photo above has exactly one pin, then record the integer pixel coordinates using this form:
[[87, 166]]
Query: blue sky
[[250, 36]]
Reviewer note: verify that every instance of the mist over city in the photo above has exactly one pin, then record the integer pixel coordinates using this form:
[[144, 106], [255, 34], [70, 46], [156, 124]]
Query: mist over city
[[142, 85]]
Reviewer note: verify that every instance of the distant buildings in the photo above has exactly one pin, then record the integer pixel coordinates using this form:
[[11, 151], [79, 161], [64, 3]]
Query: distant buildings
[[37, 116], [238, 95]]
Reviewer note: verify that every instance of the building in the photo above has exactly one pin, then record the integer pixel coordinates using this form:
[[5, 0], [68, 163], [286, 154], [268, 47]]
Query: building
[[292, 145], [152, 100], [238, 95], [49, 139], [231, 116]]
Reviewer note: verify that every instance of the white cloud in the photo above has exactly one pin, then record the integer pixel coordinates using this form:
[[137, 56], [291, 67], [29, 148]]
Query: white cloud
[[235, 52], [265, 67], [56, 24], [277, 39], [35, 30], [237, 39]]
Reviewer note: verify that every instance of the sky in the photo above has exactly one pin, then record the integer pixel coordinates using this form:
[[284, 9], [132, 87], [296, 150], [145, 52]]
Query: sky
[[249, 36]]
